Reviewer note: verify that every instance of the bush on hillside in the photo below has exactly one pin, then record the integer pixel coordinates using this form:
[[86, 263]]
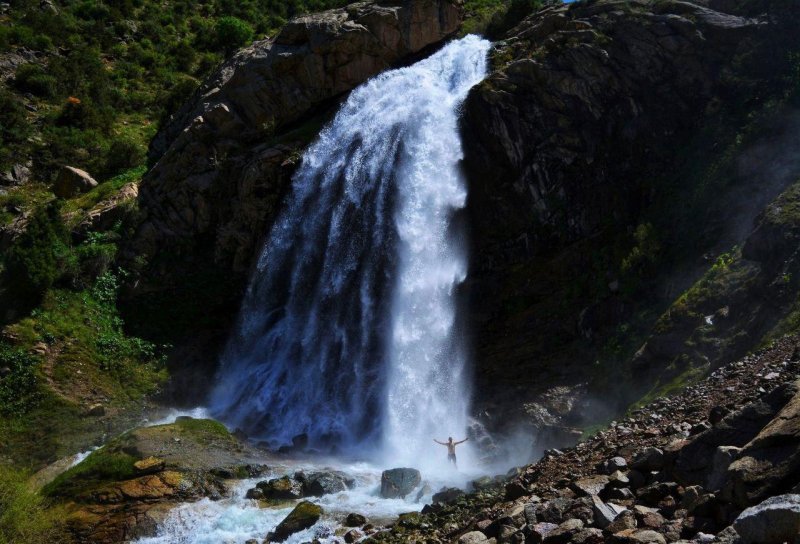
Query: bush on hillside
[[232, 33], [40, 255]]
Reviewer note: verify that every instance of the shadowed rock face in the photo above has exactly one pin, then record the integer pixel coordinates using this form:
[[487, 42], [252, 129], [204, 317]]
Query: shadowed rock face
[[224, 162], [219, 175], [566, 142]]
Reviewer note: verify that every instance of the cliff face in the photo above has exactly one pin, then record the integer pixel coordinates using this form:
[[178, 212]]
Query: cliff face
[[224, 162], [610, 162], [618, 156]]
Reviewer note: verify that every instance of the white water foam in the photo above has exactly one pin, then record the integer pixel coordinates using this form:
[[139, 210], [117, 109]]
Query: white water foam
[[348, 332]]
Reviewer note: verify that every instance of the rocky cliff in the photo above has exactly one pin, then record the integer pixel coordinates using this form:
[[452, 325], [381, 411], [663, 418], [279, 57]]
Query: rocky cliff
[[223, 163], [619, 155], [612, 157]]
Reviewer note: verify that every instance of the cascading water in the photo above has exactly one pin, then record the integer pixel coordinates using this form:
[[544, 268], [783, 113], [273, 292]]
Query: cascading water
[[347, 330]]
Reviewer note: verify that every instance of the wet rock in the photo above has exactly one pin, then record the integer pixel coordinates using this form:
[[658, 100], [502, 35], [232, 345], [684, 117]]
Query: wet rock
[[284, 488], [775, 520], [424, 490], [73, 181], [636, 478], [447, 495], [254, 493], [317, 484], [483, 483], [304, 515], [355, 520], [399, 482], [352, 536]]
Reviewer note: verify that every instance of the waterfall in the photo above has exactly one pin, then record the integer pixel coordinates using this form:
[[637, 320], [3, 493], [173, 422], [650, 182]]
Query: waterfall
[[347, 331]]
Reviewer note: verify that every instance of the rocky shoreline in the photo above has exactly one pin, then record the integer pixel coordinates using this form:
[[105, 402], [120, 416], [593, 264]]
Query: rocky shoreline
[[685, 468]]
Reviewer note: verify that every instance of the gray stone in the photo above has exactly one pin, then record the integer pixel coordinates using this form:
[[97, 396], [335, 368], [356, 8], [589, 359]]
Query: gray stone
[[399, 482], [775, 520], [473, 537], [603, 513], [649, 459], [73, 181], [592, 485]]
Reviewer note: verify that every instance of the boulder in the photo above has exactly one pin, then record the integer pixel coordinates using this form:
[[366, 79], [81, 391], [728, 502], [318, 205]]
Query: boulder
[[72, 181], [447, 495], [612, 465], [284, 488], [591, 485], [355, 520], [638, 536], [473, 537], [604, 514], [774, 521], [304, 515], [649, 459], [353, 535], [623, 522], [326, 482], [399, 482], [564, 533], [694, 464], [770, 462], [149, 465]]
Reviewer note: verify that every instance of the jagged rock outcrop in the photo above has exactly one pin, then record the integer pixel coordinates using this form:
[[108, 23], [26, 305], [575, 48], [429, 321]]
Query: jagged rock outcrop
[[220, 168], [224, 162], [571, 145]]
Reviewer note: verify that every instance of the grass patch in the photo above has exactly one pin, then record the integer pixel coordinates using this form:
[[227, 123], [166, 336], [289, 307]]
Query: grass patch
[[203, 427], [100, 467], [104, 191], [24, 515]]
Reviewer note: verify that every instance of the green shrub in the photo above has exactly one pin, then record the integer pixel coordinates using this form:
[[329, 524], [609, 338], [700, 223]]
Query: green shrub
[[122, 155], [18, 391], [101, 466], [40, 255], [34, 79], [14, 128], [232, 32], [24, 516]]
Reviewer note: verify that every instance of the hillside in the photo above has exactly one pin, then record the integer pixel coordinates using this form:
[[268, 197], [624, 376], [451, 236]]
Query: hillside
[[633, 186]]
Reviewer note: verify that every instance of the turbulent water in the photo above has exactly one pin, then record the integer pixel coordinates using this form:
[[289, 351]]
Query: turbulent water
[[348, 331]]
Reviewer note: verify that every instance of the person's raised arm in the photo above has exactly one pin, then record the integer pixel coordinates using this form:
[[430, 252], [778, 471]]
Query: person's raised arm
[[442, 443], [462, 441]]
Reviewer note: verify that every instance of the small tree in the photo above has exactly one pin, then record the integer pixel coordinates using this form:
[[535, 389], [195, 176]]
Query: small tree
[[40, 255], [233, 33]]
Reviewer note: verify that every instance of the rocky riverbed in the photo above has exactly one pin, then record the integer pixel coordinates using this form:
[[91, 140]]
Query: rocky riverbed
[[716, 463]]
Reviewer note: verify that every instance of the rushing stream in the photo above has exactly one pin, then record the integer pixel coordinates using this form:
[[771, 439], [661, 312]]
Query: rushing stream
[[348, 332]]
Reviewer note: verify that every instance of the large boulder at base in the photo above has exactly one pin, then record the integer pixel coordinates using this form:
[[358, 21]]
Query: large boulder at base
[[695, 463], [770, 463], [775, 520], [398, 482], [285, 488], [73, 181], [327, 482], [304, 515]]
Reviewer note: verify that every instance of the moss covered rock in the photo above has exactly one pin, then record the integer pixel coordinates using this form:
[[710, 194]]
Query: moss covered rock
[[304, 515]]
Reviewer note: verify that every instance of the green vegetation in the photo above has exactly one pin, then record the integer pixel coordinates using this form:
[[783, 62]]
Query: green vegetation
[[493, 18], [100, 467], [24, 515], [207, 427], [108, 73]]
